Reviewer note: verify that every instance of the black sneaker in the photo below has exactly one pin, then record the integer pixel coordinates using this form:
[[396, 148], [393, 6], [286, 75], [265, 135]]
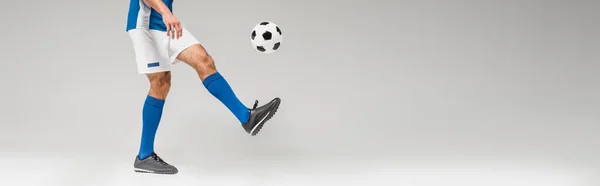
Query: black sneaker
[[153, 164], [260, 115]]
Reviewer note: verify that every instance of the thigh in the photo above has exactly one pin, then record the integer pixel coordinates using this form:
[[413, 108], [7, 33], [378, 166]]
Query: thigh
[[185, 47], [192, 54], [159, 77], [150, 51]]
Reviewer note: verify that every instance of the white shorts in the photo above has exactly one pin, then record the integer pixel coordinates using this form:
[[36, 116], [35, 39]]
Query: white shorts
[[157, 52]]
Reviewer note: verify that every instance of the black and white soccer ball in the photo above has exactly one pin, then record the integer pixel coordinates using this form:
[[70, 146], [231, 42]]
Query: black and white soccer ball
[[266, 37]]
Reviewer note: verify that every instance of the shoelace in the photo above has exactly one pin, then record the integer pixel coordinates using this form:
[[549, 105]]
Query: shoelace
[[158, 159]]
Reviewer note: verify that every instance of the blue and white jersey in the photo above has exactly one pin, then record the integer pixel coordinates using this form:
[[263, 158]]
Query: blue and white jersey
[[141, 15]]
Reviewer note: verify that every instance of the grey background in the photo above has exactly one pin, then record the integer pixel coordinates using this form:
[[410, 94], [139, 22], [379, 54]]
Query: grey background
[[366, 85]]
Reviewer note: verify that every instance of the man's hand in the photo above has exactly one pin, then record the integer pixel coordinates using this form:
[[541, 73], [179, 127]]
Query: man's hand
[[174, 29]]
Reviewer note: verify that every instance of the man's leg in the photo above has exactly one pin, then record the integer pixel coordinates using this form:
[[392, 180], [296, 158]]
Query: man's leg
[[160, 83], [147, 160], [252, 119], [204, 65]]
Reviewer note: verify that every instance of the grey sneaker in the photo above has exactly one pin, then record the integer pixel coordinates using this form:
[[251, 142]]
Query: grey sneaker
[[260, 115], [153, 164]]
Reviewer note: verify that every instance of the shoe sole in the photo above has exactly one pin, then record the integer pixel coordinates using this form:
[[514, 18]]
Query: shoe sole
[[152, 172], [272, 112]]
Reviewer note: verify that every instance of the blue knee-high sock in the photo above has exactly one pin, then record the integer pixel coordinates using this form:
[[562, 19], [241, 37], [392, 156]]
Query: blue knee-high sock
[[218, 87], [151, 115]]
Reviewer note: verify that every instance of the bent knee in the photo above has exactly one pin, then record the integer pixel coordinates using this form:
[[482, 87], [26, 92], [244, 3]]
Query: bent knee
[[204, 62]]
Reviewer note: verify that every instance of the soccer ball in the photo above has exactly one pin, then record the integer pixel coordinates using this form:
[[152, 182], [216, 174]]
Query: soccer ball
[[266, 37]]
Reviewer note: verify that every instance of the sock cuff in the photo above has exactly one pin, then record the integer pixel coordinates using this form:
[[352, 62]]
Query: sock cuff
[[213, 77], [154, 101]]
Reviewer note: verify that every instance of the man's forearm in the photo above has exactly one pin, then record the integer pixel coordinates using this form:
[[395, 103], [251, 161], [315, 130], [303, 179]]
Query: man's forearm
[[159, 6]]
